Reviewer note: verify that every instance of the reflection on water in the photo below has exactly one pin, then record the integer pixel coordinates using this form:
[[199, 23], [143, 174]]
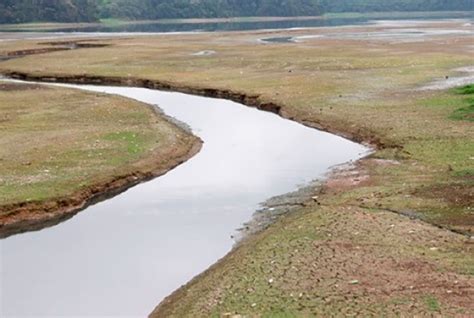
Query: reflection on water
[[122, 256]]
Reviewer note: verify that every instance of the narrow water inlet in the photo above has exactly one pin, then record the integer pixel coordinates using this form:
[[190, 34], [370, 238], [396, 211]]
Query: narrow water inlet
[[121, 257]]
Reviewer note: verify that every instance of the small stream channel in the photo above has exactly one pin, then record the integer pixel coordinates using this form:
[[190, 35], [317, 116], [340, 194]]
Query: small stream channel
[[121, 257]]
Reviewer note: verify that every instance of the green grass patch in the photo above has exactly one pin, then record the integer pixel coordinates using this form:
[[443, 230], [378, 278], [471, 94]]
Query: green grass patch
[[432, 303], [134, 143], [467, 111], [466, 90], [464, 113]]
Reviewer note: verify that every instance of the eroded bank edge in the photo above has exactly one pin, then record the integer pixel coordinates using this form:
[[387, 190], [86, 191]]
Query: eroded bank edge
[[23, 217]]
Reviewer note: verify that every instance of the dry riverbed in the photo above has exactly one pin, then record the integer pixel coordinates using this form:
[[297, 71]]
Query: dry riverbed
[[364, 243]]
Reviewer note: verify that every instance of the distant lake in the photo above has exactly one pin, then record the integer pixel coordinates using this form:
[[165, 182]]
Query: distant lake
[[246, 24]]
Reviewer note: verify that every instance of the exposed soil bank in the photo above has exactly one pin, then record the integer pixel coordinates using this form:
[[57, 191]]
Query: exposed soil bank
[[29, 216], [56, 47]]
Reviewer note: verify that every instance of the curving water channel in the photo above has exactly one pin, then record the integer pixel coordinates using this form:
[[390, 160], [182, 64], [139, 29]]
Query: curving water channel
[[121, 257]]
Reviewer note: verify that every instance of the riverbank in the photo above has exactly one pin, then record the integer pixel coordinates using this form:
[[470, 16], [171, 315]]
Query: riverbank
[[345, 251], [112, 145]]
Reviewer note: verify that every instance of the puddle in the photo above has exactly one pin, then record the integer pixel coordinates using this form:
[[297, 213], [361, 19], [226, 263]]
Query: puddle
[[204, 53]]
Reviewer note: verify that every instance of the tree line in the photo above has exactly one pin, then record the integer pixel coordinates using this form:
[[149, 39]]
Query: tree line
[[18, 11]]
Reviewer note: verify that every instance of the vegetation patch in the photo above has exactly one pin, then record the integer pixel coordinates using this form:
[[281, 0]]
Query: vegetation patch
[[432, 303], [467, 111], [466, 90], [133, 141]]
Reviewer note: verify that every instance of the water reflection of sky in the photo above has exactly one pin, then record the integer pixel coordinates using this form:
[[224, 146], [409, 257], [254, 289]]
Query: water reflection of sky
[[122, 256]]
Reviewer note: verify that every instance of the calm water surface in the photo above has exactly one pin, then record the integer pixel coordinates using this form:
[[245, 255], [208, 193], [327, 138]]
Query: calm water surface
[[121, 257]]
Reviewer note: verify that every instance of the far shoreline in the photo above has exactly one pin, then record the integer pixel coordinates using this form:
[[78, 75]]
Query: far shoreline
[[112, 22]]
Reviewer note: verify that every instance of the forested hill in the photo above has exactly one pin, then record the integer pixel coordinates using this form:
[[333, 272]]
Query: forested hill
[[157, 9], [17, 11]]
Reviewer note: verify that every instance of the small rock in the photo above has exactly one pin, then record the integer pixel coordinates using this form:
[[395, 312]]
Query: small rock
[[253, 305], [354, 282]]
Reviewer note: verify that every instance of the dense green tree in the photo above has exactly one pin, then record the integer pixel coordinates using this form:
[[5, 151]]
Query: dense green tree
[[17, 11]]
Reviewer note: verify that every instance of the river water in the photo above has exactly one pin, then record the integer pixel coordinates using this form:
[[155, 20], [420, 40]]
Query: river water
[[121, 257]]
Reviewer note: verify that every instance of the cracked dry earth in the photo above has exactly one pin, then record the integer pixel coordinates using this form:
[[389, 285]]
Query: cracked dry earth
[[353, 270], [339, 260]]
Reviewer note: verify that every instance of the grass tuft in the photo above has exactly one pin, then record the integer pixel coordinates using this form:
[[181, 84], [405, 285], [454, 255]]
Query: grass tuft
[[467, 111]]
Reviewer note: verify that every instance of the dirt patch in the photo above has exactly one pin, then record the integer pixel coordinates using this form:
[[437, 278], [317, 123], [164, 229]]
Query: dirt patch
[[454, 193]]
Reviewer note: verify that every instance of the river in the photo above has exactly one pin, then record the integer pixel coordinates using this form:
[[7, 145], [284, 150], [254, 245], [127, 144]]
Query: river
[[121, 257]]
